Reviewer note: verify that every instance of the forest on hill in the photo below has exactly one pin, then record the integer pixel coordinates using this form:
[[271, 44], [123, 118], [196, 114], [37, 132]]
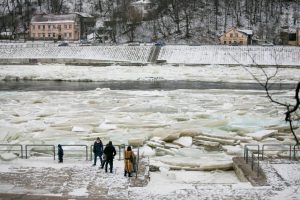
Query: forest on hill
[[174, 21]]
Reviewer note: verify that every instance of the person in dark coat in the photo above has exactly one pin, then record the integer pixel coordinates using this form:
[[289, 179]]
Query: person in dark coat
[[60, 153], [110, 153], [98, 151]]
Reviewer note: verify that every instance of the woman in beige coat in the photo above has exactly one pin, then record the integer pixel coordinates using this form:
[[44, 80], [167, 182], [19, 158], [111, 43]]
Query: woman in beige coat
[[128, 161]]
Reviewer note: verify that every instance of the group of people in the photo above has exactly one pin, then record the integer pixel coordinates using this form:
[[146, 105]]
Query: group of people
[[106, 156]]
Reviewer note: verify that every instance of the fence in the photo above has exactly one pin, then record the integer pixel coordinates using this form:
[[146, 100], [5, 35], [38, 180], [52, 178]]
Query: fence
[[45, 148], [39, 145], [79, 145], [255, 160], [13, 145]]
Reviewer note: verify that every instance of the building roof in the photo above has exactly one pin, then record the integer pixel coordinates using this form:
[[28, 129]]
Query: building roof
[[247, 32], [54, 18], [141, 2], [82, 14]]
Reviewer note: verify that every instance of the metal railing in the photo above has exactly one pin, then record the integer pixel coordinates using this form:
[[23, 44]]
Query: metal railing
[[13, 145], [246, 151], [255, 160], [276, 149], [78, 145], [39, 145], [296, 150]]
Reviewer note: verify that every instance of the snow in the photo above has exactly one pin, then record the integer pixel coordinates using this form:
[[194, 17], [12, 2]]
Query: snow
[[139, 54], [231, 55]]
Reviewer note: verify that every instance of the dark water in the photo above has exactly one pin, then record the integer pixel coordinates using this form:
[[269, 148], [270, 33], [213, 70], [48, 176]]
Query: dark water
[[130, 85]]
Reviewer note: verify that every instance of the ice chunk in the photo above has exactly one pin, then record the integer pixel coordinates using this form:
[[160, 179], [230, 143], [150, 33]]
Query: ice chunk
[[167, 135], [189, 152], [154, 144], [184, 141], [7, 156], [135, 141], [147, 151], [80, 129], [161, 151], [212, 139], [233, 150], [259, 135], [206, 143]]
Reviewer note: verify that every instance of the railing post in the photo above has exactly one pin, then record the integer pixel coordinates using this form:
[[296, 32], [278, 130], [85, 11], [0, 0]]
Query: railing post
[[247, 155], [119, 152], [86, 152], [92, 152], [22, 151], [290, 154], [26, 151], [54, 152], [252, 161], [258, 152], [258, 168], [262, 153]]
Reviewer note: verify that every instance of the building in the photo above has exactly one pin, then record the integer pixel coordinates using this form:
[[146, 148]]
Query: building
[[236, 37], [55, 27]]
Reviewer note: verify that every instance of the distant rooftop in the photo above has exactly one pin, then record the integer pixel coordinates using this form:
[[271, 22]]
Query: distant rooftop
[[248, 32], [53, 18]]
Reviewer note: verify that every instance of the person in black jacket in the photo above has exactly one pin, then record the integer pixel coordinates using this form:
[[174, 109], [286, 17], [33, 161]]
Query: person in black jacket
[[60, 153], [110, 153], [98, 150]]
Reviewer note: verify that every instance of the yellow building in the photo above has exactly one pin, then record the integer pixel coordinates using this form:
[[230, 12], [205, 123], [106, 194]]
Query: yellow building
[[236, 37], [50, 27]]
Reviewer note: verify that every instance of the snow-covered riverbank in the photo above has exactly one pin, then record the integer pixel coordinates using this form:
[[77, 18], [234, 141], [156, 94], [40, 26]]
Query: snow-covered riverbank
[[214, 73]]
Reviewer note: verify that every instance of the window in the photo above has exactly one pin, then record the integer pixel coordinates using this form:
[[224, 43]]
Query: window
[[49, 26], [39, 27], [70, 35], [70, 26], [54, 35], [231, 35], [43, 27], [241, 42], [49, 35], [33, 26], [66, 26], [236, 35], [40, 35], [54, 26], [43, 35], [65, 35], [224, 42], [229, 42]]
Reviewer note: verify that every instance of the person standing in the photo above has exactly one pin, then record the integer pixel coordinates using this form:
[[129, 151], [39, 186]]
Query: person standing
[[60, 153], [98, 150], [128, 161], [110, 153]]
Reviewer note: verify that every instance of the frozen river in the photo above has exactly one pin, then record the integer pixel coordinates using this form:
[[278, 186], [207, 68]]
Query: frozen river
[[178, 117], [132, 85]]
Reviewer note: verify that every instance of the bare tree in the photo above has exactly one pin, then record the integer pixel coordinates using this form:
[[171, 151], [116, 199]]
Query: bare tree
[[291, 109]]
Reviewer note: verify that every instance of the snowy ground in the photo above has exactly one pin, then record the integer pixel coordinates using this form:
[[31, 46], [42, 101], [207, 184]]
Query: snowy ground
[[77, 178], [217, 73]]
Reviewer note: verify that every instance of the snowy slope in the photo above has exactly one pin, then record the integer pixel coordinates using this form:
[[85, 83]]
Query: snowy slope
[[246, 55]]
